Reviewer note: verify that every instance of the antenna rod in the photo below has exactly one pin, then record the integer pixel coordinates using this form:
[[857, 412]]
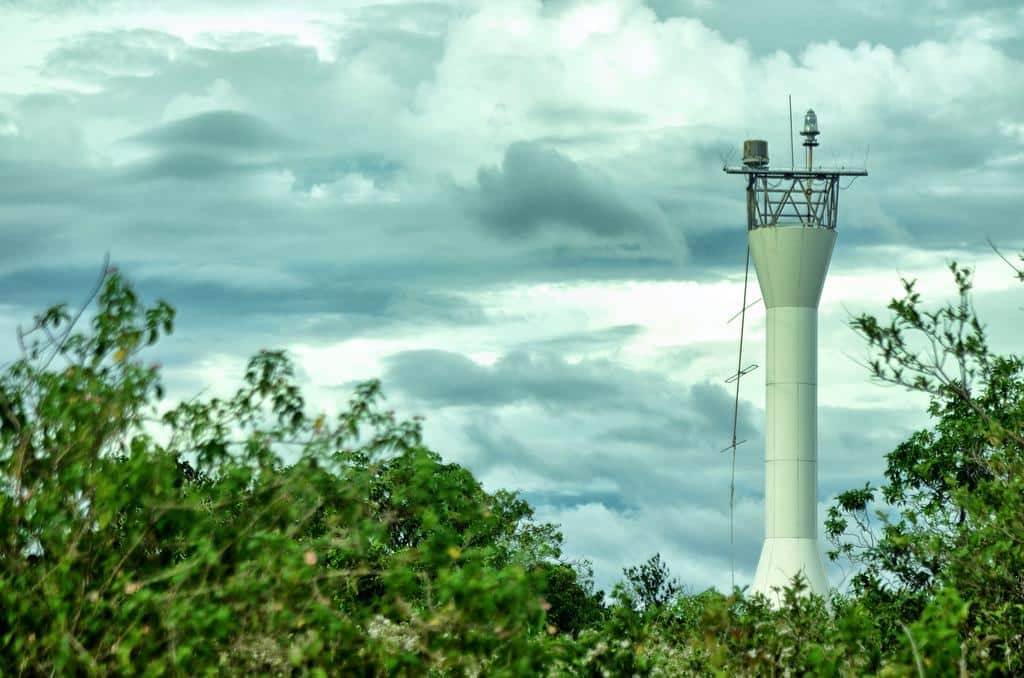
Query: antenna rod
[[735, 421], [792, 155]]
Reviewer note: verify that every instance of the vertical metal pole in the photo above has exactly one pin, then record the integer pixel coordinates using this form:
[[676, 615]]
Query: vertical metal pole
[[808, 187], [792, 153], [735, 421], [751, 203]]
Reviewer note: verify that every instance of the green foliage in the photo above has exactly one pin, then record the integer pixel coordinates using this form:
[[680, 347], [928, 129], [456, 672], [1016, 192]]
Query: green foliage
[[356, 551], [572, 602], [649, 586], [945, 569], [933, 645], [243, 535], [748, 637]]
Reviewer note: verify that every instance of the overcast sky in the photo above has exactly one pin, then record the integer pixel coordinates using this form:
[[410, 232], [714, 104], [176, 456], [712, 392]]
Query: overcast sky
[[514, 214]]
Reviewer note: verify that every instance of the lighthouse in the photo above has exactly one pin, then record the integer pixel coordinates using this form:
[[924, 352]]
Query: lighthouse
[[791, 231]]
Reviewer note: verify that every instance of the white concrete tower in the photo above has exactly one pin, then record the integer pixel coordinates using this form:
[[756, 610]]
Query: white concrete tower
[[791, 230]]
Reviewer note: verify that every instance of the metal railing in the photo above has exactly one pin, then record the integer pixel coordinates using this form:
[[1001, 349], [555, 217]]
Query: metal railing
[[810, 201]]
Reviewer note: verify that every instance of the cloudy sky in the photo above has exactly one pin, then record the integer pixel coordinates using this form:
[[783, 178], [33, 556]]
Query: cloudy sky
[[513, 212]]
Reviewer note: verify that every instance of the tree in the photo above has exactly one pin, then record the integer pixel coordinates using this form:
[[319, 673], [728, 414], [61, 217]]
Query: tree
[[261, 538], [569, 591], [650, 584], [258, 538], [957, 488]]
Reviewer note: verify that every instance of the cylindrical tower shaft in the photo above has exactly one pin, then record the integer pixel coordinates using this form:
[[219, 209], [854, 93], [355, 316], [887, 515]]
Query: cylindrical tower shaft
[[791, 263]]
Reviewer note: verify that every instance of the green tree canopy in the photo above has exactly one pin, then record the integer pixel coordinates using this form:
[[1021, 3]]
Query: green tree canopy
[[257, 538], [246, 535]]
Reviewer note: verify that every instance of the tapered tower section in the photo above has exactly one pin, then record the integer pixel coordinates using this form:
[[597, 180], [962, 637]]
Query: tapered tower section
[[791, 230]]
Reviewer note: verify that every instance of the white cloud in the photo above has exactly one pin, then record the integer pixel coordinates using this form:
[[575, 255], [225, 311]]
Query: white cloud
[[509, 58], [352, 188], [219, 95]]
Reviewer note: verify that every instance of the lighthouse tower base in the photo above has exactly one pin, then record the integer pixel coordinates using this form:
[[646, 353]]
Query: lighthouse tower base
[[791, 261], [781, 558]]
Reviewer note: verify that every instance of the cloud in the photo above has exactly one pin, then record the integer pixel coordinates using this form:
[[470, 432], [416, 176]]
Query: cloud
[[102, 55], [567, 114], [405, 41], [443, 378], [619, 408], [270, 308], [314, 169], [216, 129], [607, 338], [219, 96], [538, 187], [44, 131], [190, 166]]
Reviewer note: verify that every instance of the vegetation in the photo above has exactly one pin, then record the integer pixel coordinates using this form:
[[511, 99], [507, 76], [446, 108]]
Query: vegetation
[[252, 537]]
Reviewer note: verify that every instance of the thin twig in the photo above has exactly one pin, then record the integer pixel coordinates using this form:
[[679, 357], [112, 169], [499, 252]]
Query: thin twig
[[74, 321], [995, 249], [913, 648]]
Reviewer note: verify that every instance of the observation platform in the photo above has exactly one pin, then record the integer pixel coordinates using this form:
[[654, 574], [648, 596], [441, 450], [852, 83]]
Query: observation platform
[[793, 197]]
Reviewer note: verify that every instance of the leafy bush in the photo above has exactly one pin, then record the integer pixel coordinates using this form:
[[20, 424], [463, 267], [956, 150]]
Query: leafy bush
[[957, 489], [210, 553], [243, 535]]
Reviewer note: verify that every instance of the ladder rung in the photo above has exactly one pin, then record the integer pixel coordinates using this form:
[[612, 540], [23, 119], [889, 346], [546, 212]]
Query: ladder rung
[[745, 371], [738, 313], [729, 447]]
